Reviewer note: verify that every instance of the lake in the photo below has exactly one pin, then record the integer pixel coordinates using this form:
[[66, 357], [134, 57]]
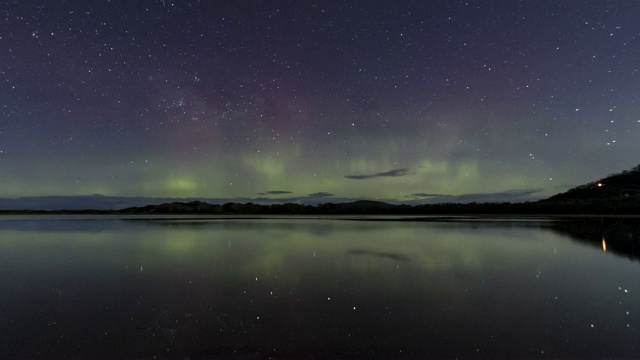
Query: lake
[[304, 287]]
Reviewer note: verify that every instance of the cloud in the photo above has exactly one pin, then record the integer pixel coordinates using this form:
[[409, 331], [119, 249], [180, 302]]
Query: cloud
[[380, 254], [390, 173], [396, 172], [275, 192], [320, 194], [359, 177], [503, 196], [421, 195]]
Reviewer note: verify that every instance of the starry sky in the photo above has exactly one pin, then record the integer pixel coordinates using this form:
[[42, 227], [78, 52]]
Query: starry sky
[[402, 101]]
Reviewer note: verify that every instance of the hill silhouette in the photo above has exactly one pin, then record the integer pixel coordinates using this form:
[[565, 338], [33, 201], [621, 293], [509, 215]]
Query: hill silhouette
[[616, 193], [199, 207], [623, 185]]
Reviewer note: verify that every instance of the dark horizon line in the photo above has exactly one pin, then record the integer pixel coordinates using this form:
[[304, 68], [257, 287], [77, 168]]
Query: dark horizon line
[[591, 206], [110, 202]]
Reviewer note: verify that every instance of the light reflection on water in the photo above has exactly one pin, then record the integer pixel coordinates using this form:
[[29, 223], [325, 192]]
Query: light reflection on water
[[314, 288]]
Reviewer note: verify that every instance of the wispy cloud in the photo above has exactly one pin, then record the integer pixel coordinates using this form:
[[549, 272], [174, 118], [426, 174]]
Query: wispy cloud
[[425, 195], [503, 196], [320, 194], [275, 192], [380, 254], [390, 173]]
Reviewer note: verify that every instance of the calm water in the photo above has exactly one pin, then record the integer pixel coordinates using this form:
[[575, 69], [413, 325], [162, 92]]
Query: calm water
[[317, 288]]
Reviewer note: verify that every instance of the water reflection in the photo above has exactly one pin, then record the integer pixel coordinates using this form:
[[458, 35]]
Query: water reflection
[[383, 255], [313, 288], [618, 236]]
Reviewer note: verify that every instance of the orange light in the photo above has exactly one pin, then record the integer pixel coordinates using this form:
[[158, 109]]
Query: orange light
[[600, 184], [604, 245]]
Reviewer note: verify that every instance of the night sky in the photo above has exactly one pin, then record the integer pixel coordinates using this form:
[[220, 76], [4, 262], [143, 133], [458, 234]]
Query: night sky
[[406, 101]]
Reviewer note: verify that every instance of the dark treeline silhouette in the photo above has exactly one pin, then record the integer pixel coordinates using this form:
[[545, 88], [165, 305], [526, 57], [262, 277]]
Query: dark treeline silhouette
[[379, 208], [621, 206], [357, 208]]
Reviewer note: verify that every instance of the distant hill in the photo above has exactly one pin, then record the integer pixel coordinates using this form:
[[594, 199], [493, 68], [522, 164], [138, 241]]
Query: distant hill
[[617, 193], [175, 208], [198, 207], [623, 185]]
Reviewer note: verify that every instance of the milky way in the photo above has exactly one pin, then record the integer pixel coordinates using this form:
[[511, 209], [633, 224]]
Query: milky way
[[409, 101]]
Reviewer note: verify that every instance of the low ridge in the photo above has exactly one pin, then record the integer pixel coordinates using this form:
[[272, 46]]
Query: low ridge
[[621, 186]]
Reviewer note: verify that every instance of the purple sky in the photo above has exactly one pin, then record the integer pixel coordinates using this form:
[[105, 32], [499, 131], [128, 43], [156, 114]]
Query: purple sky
[[406, 101]]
